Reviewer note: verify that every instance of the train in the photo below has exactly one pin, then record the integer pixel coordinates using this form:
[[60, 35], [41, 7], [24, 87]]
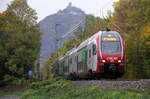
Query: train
[[101, 54]]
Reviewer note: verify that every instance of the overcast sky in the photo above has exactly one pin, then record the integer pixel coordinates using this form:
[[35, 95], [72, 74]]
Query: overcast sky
[[47, 7]]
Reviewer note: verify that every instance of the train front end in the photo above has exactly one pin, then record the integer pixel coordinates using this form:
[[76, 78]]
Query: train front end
[[111, 53]]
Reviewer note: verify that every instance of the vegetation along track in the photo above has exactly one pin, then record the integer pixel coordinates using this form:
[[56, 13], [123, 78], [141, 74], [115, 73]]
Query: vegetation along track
[[142, 84]]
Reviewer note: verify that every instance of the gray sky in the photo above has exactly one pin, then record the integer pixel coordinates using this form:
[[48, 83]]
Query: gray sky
[[47, 7]]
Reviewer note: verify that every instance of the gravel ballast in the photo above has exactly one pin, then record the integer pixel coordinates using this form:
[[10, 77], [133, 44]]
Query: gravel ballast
[[143, 84]]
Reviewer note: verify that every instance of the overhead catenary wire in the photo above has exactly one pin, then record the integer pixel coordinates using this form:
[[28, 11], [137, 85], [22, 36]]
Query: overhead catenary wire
[[73, 29], [103, 7], [78, 25]]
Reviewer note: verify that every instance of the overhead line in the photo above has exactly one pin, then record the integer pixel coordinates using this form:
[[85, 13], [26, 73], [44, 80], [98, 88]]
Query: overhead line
[[72, 30]]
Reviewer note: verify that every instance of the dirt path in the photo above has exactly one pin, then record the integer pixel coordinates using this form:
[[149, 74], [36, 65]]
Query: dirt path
[[9, 97], [12, 92]]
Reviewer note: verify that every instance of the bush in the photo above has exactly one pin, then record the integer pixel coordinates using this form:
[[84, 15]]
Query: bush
[[53, 82]]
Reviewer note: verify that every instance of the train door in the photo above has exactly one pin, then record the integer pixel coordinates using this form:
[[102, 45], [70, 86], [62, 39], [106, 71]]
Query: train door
[[90, 58], [74, 63], [67, 71], [66, 66], [70, 64], [60, 67], [94, 54], [84, 60]]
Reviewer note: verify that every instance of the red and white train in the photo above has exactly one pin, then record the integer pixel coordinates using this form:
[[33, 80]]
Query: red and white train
[[101, 54]]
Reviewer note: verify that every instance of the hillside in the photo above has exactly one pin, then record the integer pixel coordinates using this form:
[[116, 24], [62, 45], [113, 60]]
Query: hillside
[[59, 27]]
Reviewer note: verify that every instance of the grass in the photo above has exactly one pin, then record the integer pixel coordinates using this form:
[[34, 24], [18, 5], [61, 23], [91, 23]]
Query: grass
[[11, 91], [58, 88]]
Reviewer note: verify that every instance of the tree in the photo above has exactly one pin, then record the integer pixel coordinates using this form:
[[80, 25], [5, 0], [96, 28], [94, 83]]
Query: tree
[[21, 9], [130, 18], [20, 41]]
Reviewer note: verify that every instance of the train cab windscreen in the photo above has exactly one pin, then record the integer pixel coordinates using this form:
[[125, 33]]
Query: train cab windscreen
[[111, 47], [110, 44]]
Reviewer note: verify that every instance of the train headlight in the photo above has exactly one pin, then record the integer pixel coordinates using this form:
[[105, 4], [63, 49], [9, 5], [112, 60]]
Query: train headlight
[[103, 61], [119, 61]]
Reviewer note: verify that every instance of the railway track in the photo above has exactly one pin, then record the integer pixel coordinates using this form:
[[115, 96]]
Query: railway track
[[142, 84]]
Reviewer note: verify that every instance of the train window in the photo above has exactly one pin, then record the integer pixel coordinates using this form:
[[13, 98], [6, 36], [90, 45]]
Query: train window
[[111, 47], [89, 53], [94, 49]]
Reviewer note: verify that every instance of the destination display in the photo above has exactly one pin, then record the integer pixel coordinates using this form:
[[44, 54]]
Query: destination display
[[109, 39]]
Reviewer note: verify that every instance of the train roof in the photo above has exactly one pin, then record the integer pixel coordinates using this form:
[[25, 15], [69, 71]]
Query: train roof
[[73, 50], [110, 32], [88, 41], [60, 58]]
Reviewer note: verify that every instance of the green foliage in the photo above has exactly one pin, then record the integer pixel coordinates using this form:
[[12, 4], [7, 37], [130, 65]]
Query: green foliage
[[19, 41], [21, 9], [57, 88], [59, 83], [131, 18]]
